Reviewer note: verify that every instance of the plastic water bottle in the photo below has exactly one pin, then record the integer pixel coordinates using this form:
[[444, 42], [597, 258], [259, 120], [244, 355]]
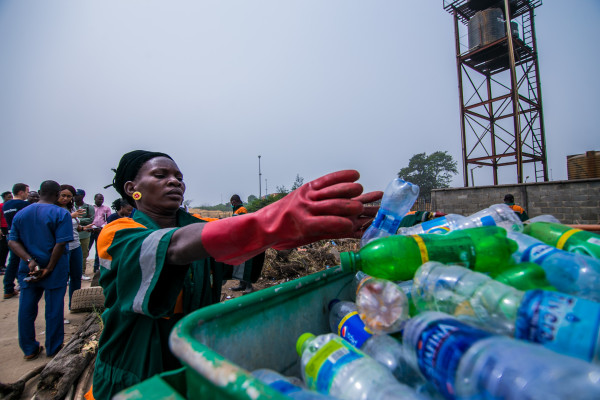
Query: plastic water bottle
[[397, 257], [389, 352], [383, 305], [567, 272], [497, 215], [398, 198], [464, 362], [560, 322], [332, 366], [290, 386], [564, 237], [345, 321], [443, 224]]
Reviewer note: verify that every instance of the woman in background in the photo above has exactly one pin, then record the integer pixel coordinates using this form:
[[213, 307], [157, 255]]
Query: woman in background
[[65, 200]]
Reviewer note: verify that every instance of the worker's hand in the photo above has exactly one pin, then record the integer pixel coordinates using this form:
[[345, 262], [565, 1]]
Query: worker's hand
[[36, 273], [437, 214], [329, 207], [363, 221]]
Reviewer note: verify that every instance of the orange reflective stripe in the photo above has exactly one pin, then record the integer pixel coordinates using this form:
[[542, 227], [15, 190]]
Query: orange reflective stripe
[[410, 213], [200, 217], [179, 304], [241, 210], [517, 208], [107, 234]]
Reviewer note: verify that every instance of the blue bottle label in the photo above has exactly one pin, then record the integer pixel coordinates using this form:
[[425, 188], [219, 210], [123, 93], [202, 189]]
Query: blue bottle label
[[437, 225], [563, 323], [487, 221], [538, 252], [284, 387], [440, 347], [353, 329], [387, 222], [325, 364]]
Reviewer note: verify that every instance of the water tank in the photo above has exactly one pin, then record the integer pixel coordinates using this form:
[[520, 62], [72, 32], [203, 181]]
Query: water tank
[[514, 29], [485, 27], [584, 166]]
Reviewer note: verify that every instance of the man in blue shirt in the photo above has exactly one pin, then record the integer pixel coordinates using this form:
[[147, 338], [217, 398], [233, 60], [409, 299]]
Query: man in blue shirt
[[38, 236], [10, 209]]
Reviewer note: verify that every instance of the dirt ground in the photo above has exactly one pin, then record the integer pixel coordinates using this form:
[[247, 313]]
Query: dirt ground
[[280, 266]]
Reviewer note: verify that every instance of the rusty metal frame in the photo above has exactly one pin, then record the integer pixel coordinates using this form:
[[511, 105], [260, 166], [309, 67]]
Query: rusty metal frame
[[501, 118]]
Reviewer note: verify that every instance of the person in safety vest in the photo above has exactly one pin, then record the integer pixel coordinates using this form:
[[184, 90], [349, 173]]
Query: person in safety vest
[[163, 263], [509, 200]]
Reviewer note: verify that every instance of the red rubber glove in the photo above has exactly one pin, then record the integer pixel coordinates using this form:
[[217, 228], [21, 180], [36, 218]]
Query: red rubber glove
[[330, 207], [438, 214]]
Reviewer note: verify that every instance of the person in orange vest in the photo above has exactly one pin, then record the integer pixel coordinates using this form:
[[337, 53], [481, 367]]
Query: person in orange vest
[[509, 200], [244, 269]]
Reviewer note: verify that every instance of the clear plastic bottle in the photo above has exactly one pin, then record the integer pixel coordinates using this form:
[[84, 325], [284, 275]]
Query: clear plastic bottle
[[567, 272], [397, 257], [443, 224], [345, 321], [332, 366], [292, 387], [398, 198], [468, 363], [497, 215], [560, 322], [382, 305]]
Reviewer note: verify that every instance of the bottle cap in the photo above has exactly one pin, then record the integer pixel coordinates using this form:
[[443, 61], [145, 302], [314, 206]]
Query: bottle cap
[[347, 261], [301, 340], [332, 303]]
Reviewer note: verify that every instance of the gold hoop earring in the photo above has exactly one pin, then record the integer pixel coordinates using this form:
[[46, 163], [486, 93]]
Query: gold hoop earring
[[136, 196]]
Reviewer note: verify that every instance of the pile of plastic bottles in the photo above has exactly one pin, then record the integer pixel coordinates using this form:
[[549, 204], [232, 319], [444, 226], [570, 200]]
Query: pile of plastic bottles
[[476, 307]]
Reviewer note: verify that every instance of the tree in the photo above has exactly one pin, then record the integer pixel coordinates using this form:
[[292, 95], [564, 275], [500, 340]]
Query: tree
[[298, 182], [430, 172], [251, 198]]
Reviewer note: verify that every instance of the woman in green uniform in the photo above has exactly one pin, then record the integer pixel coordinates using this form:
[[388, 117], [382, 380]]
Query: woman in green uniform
[[164, 263]]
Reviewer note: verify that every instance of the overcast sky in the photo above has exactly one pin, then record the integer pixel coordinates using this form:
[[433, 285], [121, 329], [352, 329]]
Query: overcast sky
[[312, 86]]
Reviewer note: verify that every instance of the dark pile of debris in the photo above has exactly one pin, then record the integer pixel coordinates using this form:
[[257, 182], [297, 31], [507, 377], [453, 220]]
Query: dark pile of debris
[[285, 265]]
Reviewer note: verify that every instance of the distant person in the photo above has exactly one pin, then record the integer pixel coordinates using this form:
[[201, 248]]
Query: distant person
[[33, 197], [85, 219], [3, 233], [101, 213], [10, 210], [509, 200], [39, 236], [122, 209], [244, 270], [65, 200]]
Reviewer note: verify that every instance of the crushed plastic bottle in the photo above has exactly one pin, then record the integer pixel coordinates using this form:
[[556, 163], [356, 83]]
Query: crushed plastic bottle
[[560, 322], [398, 198], [332, 366], [464, 362]]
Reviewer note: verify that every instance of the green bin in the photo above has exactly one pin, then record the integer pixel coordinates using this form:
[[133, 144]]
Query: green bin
[[221, 344]]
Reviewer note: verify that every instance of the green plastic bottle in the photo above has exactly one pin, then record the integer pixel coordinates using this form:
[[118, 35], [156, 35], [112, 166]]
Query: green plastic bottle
[[396, 258], [565, 238], [525, 276]]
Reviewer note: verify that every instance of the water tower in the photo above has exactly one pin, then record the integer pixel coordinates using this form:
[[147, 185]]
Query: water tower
[[501, 118]]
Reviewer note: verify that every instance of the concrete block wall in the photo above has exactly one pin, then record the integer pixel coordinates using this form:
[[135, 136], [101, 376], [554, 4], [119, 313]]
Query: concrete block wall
[[572, 202]]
